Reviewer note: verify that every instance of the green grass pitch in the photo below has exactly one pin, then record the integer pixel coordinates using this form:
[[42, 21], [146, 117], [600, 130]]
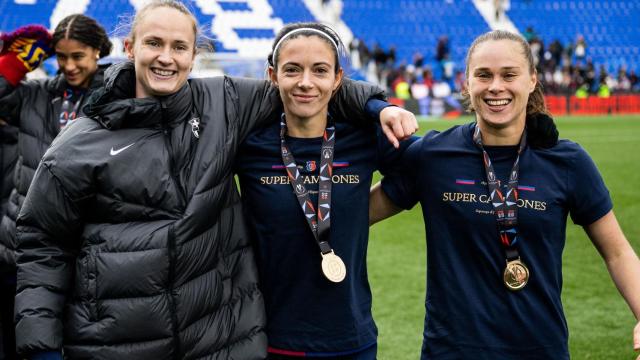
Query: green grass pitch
[[600, 323]]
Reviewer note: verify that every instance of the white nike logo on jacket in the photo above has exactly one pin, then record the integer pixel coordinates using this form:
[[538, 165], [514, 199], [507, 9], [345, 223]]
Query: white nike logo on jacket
[[116, 152]]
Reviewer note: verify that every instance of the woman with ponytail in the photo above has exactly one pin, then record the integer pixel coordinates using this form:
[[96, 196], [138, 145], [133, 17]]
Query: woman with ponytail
[[495, 197], [37, 110]]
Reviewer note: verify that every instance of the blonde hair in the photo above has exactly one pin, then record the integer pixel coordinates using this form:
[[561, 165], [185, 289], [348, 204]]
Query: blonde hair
[[200, 40]]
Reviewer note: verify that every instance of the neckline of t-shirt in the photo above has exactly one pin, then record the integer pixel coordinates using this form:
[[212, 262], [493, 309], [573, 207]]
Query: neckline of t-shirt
[[469, 138], [290, 138]]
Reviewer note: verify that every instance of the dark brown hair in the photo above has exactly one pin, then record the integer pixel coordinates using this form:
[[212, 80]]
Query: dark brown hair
[[337, 46], [85, 30]]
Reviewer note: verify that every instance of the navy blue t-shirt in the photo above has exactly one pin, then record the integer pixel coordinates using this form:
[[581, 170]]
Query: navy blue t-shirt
[[470, 314], [306, 313]]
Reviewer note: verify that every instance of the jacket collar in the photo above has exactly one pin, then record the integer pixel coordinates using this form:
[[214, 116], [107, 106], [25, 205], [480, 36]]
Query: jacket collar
[[115, 106]]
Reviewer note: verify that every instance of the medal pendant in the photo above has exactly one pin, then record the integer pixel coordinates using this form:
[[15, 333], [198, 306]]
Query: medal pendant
[[333, 268], [516, 275]]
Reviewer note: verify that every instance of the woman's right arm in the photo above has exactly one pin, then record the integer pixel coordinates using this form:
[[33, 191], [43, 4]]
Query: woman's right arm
[[48, 227], [380, 206], [22, 51], [397, 190]]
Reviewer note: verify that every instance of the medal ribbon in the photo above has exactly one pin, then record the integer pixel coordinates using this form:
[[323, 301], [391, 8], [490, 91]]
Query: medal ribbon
[[65, 115], [505, 205], [319, 220]]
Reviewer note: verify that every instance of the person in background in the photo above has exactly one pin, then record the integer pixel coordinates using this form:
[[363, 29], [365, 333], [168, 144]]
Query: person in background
[[38, 110], [495, 197]]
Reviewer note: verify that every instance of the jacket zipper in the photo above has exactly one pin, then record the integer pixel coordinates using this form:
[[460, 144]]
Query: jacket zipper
[[171, 245], [3, 150], [175, 175], [171, 241]]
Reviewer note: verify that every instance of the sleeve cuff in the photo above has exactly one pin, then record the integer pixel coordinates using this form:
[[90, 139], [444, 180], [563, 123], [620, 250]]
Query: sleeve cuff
[[396, 192], [373, 107], [47, 355]]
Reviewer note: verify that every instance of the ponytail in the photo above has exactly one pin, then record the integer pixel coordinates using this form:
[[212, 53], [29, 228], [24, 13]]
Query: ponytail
[[536, 103], [541, 130]]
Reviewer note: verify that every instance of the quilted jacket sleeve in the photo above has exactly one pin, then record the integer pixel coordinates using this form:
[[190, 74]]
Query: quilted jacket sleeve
[[48, 225], [256, 102], [10, 100]]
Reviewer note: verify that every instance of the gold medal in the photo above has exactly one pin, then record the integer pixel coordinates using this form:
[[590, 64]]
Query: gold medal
[[333, 267], [516, 275]]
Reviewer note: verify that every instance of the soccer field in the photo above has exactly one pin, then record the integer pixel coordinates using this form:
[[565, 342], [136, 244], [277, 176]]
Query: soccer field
[[600, 323]]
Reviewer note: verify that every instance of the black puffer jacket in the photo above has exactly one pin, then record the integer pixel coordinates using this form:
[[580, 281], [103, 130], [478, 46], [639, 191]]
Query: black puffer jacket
[[34, 108], [8, 157], [132, 242]]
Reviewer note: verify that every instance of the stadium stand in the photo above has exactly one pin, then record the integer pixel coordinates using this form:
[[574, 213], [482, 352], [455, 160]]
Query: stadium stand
[[242, 31], [610, 27]]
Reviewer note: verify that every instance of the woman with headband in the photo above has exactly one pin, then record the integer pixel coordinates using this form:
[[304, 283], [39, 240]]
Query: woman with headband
[[132, 243], [305, 185]]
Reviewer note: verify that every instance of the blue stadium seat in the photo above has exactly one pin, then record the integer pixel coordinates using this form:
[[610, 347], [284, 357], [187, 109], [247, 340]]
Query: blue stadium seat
[[610, 27]]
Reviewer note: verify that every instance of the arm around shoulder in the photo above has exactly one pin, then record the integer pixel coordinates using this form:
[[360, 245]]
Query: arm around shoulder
[[361, 103], [350, 101], [256, 100]]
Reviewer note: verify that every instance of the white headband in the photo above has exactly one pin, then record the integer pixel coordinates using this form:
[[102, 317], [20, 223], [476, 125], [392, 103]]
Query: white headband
[[322, 33]]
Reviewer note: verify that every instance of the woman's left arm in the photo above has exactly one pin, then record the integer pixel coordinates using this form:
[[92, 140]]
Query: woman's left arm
[[622, 262]]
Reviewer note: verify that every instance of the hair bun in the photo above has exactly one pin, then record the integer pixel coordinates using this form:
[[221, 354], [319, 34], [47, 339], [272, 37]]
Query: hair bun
[[541, 131]]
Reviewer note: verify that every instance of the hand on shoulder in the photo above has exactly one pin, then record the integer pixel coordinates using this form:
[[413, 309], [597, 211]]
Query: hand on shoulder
[[397, 124]]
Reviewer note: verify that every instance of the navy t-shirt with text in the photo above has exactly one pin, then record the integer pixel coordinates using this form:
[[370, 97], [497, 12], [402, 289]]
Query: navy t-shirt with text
[[470, 314], [306, 313]]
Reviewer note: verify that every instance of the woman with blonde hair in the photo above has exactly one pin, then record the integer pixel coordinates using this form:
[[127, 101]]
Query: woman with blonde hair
[[132, 242]]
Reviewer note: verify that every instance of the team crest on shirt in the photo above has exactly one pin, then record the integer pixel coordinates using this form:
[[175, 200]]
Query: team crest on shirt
[[310, 165]]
